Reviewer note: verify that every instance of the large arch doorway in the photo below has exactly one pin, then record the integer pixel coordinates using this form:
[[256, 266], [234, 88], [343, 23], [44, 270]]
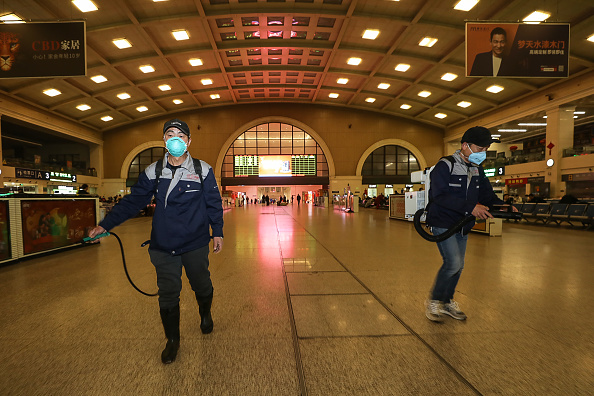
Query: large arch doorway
[[278, 159]]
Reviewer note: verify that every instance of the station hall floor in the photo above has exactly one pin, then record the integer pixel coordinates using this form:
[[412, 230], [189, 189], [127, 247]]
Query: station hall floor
[[308, 301]]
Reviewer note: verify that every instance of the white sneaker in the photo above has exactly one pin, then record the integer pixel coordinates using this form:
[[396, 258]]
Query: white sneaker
[[453, 310], [433, 310]]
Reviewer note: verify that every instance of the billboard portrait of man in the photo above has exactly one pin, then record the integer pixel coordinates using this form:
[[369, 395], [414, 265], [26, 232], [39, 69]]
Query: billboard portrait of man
[[495, 62], [517, 49]]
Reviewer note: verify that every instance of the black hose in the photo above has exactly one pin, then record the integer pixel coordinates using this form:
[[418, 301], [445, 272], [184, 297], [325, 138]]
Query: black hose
[[441, 237], [126, 269], [459, 225]]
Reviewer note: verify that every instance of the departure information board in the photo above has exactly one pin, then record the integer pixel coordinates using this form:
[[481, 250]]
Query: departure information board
[[274, 165], [303, 165]]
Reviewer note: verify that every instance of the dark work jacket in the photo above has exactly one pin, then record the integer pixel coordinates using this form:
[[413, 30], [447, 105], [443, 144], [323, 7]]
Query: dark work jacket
[[483, 66], [185, 210], [454, 192]]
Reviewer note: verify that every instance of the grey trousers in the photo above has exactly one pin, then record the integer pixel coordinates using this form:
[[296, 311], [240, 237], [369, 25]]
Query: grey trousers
[[169, 272]]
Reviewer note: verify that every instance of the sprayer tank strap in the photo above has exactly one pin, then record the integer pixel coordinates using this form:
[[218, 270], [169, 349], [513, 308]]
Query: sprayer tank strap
[[197, 169]]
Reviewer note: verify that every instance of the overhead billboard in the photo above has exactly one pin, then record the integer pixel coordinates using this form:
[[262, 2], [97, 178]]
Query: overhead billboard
[[517, 49], [43, 49]]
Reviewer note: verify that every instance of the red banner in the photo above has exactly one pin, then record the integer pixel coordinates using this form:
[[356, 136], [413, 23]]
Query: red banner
[[511, 182]]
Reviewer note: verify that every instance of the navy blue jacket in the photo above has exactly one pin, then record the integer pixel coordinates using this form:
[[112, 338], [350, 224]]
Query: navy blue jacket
[[184, 211], [454, 192]]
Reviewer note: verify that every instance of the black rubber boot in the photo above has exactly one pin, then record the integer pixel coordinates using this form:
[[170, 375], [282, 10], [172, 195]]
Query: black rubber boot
[[204, 304], [170, 319]]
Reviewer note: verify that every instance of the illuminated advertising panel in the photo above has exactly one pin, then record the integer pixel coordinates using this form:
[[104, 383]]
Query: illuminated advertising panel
[[275, 165], [517, 49], [43, 49], [55, 223]]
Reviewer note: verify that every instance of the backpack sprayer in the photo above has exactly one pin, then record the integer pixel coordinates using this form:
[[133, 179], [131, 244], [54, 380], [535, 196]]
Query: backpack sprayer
[[421, 198], [89, 239]]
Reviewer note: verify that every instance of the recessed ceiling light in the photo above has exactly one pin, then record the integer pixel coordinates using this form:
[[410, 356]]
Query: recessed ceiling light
[[424, 94], [178, 101], [370, 100], [206, 81], [215, 96], [142, 108], [180, 34], [427, 42], [52, 92], [333, 95], [122, 43], [106, 118], [405, 106], [11, 18], [537, 17], [83, 107], [196, 62], [465, 5], [512, 130], [464, 104], [124, 96], [165, 87], [579, 112], [532, 124], [449, 77], [85, 5], [383, 86], [575, 116], [99, 79], [441, 115], [342, 80], [402, 67], [544, 116], [354, 61], [495, 136], [371, 34], [591, 38], [147, 69], [495, 89]]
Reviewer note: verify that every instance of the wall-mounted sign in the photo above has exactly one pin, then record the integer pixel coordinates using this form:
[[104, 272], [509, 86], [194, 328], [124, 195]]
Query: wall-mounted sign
[[511, 182], [491, 172], [389, 186], [43, 49], [44, 175], [373, 186]]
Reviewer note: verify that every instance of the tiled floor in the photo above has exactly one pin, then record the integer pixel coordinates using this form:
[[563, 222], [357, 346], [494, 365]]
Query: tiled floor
[[308, 301]]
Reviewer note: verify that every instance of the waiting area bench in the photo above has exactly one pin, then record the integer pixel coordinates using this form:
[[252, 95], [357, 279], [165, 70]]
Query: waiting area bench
[[579, 214]]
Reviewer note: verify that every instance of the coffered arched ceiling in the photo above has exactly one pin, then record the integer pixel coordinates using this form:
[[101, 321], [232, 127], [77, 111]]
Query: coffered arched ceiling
[[292, 51]]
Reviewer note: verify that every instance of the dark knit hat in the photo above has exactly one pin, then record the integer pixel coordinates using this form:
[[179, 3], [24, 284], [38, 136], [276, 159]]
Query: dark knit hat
[[478, 135], [179, 124]]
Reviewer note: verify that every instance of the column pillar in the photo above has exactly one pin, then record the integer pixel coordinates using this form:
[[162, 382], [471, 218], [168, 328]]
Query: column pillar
[[560, 134]]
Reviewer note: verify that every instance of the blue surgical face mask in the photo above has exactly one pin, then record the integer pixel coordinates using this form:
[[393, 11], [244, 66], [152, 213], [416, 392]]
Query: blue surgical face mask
[[477, 158], [176, 146]]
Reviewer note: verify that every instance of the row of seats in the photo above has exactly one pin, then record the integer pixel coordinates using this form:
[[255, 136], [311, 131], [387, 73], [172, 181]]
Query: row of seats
[[574, 214]]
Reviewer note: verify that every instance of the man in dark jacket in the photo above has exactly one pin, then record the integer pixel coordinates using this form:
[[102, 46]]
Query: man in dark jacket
[[188, 205], [494, 62], [458, 188]]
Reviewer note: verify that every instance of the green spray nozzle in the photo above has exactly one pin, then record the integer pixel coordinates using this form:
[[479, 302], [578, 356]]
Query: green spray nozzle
[[89, 239]]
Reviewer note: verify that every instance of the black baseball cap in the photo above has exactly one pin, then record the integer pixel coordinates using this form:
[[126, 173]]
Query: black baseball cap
[[478, 135], [179, 124]]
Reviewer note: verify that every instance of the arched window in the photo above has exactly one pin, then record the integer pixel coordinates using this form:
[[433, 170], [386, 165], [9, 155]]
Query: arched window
[[141, 161], [243, 157], [389, 164]]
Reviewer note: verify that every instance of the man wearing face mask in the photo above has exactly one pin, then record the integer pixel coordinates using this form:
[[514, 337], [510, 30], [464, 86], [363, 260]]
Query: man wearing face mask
[[188, 206], [458, 188]]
